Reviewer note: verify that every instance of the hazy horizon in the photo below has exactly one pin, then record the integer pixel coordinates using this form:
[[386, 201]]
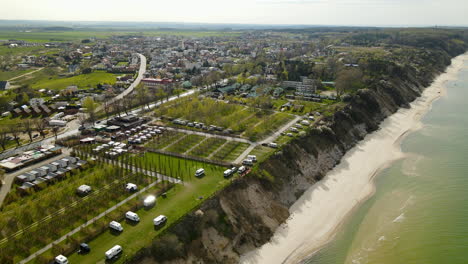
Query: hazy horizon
[[381, 13]]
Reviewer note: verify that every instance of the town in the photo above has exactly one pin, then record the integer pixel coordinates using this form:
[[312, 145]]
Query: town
[[107, 138]]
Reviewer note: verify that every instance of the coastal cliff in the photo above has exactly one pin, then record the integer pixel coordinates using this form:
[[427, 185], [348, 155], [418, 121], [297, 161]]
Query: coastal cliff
[[245, 215]]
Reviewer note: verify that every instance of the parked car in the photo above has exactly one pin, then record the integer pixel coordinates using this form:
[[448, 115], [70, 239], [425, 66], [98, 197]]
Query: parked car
[[61, 259], [84, 248], [227, 173], [242, 169], [234, 169], [273, 145], [247, 162], [160, 220], [252, 157]]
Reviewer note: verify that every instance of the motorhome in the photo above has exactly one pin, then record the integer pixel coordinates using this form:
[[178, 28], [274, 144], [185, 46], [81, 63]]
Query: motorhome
[[114, 251], [199, 172], [116, 226], [132, 216], [159, 220]]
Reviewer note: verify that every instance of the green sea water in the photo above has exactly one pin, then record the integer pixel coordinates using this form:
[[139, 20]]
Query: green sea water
[[419, 213]]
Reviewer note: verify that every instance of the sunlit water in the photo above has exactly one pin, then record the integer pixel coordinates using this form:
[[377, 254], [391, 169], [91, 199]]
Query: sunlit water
[[419, 213]]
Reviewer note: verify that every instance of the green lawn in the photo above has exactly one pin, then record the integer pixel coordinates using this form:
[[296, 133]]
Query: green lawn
[[164, 140], [207, 147], [261, 152], [185, 143], [179, 201], [6, 75], [230, 151], [82, 81], [268, 125]]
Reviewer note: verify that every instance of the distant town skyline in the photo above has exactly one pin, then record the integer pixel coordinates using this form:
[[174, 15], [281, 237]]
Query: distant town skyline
[[303, 12]]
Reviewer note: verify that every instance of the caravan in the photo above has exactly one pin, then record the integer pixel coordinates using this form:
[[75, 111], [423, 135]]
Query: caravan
[[132, 216], [116, 226], [114, 251]]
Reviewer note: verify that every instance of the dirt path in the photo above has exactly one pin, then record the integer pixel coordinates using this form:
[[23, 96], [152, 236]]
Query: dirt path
[[22, 75]]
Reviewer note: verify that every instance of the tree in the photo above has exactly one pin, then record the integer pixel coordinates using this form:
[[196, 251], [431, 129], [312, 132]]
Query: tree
[[348, 80], [28, 126], [90, 106], [41, 125], [55, 130], [15, 131], [3, 137]]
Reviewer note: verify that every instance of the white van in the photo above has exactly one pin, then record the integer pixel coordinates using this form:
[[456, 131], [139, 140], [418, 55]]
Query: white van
[[199, 172], [160, 220], [247, 162], [61, 259], [114, 251], [242, 169], [116, 226], [252, 157], [132, 216], [227, 173], [273, 145]]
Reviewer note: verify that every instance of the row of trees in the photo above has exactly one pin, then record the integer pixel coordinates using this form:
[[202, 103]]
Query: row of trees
[[27, 126]]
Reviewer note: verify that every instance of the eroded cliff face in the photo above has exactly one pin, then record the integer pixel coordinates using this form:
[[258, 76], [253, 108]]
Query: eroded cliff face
[[245, 215]]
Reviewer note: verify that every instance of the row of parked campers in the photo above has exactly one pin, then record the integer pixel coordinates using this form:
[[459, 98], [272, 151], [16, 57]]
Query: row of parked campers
[[114, 225]]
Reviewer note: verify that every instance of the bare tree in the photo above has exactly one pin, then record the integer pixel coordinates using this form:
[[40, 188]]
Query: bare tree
[[55, 130], [28, 125], [107, 108], [15, 131], [3, 137], [81, 119], [41, 125]]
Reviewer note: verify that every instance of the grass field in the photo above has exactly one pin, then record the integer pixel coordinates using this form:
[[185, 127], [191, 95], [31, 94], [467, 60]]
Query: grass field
[[164, 140], [179, 201], [76, 35], [6, 75], [185, 143], [267, 125], [207, 147], [230, 151], [82, 81], [261, 152]]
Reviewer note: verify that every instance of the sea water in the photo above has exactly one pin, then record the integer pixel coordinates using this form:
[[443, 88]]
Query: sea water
[[419, 212]]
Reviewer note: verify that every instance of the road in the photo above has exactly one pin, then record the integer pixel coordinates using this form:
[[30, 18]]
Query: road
[[94, 219], [10, 177], [269, 139], [22, 75], [132, 86]]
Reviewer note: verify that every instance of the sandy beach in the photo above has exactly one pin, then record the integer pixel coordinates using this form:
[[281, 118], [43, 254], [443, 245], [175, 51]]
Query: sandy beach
[[317, 215]]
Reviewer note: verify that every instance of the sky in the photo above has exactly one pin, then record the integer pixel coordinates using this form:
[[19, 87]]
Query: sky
[[304, 12]]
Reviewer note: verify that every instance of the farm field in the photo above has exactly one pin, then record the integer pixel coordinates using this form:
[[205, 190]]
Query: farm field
[[101, 33]]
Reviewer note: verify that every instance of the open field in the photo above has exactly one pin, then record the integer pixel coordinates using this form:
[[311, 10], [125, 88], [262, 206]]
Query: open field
[[42, 81], [48, 214], [207, 147], [76, 35], [164, 140], [267, 125], [6, 75], [180, 200], [230, 151], [185, 143], [261, 152]]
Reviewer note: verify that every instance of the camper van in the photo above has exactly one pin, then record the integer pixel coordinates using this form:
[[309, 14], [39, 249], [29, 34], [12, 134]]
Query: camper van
[[114, 251], [227, 173], [247, 162], [199, 172], [159, 220], [252, 157], [132, 216], [61, 259], [116, 226], [131, 187]]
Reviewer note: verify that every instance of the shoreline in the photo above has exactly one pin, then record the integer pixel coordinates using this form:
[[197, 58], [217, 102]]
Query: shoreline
[[317, 215]]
